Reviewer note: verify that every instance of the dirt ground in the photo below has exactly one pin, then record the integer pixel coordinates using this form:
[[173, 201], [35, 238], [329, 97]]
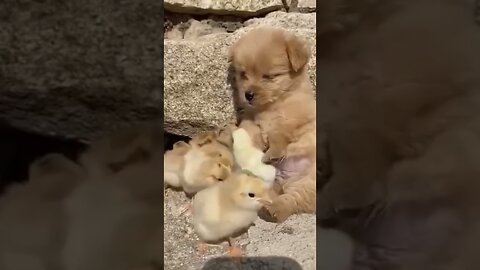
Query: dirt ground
[[290, 245]]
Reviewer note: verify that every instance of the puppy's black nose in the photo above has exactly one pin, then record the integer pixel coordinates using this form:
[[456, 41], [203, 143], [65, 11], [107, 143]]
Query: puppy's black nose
[[249, 96]]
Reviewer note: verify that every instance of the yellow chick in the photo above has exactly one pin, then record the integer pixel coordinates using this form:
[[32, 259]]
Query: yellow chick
[[192, 168], [228, 207], [248, 157], [197, 165], [173, 164]]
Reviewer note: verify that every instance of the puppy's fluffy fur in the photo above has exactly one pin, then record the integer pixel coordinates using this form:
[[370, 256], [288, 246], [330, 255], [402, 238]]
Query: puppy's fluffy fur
[[270, 65], [401, 92]]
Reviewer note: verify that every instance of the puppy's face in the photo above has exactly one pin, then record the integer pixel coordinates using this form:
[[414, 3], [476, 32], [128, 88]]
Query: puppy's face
[[267, 63]]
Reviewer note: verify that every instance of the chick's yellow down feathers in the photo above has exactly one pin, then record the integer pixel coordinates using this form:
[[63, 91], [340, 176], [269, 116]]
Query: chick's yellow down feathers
[[190, 167], [228, 207], [249, 157]]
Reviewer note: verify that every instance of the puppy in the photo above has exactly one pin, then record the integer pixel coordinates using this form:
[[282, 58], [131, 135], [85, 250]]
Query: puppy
[[270, 67], [401, 116], [118, 149]]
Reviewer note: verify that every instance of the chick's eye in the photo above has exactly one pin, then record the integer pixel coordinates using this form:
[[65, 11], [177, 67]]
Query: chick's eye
[[251, 195]]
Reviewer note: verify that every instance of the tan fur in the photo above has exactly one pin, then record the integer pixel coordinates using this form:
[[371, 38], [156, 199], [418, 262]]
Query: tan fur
[[255, 133], [271, 63], [398, 109]]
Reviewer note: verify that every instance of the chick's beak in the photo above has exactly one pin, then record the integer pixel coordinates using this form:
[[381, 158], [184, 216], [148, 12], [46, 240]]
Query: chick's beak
[[265, 200]]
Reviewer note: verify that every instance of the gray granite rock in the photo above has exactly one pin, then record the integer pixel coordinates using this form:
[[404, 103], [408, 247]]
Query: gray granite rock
[[303, 5], [76, 68], [231, 7], [197, 94]]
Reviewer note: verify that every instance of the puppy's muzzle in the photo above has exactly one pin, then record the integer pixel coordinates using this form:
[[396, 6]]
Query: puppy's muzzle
[[249, 96]]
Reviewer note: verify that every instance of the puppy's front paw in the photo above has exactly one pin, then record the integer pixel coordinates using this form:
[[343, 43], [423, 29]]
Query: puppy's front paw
[[272, 155], [280, 209]]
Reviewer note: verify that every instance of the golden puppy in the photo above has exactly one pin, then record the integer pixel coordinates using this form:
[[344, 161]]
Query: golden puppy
[[270, 67]]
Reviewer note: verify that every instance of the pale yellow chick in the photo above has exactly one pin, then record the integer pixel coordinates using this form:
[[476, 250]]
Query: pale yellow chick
[[249, 157], [229, 207]]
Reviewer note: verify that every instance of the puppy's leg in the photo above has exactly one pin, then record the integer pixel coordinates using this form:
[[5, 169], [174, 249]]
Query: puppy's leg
[[299, 197], [305, 146], [277, 145]]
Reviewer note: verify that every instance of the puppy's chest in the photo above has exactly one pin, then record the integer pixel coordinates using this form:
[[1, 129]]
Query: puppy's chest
[[270, 122]]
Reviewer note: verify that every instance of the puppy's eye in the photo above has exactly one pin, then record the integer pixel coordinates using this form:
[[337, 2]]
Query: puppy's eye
[[219, 155], [219, 165], [251, 195], [271, 76], [243, 75]]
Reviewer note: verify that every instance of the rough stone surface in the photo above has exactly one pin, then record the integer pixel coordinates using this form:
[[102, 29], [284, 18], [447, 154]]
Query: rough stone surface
[[198, 96], [76, 68], [307, 5], [236, 7], [268, 246], [304, 6]]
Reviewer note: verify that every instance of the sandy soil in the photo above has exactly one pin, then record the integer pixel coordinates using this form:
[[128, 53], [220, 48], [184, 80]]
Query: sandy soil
[[290, 245]]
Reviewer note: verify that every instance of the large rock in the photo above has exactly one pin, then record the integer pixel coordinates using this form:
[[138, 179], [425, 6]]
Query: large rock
[[234, 7], [197, 94], [79, 67]]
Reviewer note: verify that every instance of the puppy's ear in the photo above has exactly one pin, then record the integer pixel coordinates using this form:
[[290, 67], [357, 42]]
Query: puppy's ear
[[298, 52]]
